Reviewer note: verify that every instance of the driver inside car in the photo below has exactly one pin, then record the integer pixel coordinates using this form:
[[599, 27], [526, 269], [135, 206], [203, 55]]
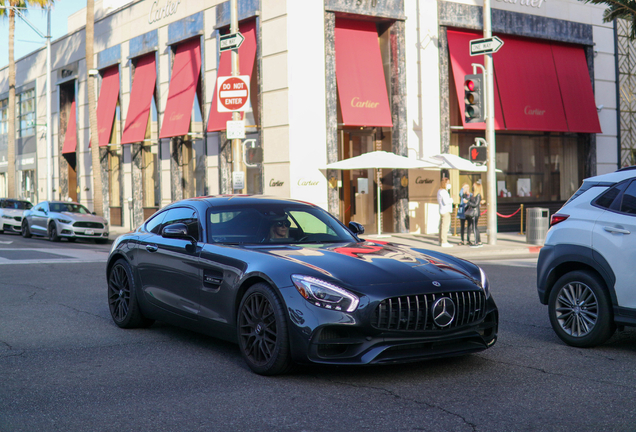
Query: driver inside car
[[279, 228]]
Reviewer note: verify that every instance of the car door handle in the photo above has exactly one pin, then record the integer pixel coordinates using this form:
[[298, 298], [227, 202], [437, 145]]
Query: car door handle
[[616, 230], [152, 248]]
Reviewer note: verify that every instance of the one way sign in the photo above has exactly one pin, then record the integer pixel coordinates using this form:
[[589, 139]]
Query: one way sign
[[485, 46]]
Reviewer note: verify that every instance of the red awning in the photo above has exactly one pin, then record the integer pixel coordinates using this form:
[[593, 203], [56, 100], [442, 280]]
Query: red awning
[[459, 48], [70, 137], [576, 89], [107, 104], [183, 87], [140, 99], [360, 75], [247, 53], [541, 86], [528, 86]]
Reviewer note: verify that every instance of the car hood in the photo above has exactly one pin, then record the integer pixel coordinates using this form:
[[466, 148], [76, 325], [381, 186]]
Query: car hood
[[13, 212], [79, 217], [369, 263]]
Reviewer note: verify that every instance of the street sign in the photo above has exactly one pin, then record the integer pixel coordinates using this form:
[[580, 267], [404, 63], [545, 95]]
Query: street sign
[[230, 41], [235, 129], [485, 46], [233, 93], [238, 180]]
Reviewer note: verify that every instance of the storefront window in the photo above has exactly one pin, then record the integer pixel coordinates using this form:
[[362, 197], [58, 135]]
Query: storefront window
[[534, 166], [4, 128], [25, 115], [26, 178]]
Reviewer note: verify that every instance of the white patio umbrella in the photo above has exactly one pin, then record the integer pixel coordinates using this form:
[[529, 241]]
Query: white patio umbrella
[[379, 160], [450, 161]]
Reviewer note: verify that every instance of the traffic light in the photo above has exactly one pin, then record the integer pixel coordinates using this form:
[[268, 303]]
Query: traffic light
[[253, 155], [477, 154], [474, 109]]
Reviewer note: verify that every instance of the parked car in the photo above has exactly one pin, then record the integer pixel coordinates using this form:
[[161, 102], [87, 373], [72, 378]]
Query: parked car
[[11, 211], [586, 270], [62, 219], [290, 283]]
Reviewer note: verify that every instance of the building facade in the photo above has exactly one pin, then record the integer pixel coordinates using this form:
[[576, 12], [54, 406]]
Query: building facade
[[329, 80]]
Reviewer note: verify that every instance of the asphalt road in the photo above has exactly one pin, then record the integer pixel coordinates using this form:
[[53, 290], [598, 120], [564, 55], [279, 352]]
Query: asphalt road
[[64, 366]]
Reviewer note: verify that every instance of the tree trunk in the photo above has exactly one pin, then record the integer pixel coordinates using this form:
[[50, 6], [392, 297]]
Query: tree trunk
[[98, 206], [11, 157]]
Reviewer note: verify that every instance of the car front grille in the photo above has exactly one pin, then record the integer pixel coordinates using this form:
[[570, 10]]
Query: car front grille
[[88, 225], [414, 313]]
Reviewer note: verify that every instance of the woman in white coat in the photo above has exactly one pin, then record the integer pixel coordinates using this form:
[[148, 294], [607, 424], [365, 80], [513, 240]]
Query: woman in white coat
[[445, 209]]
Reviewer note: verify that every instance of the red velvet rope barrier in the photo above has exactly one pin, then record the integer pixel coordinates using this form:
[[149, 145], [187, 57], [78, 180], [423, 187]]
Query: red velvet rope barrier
[[503, 216]]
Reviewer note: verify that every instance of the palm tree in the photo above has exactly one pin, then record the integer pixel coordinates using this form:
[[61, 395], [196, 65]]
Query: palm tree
[[625, 9], [11, 107], [98, 202]]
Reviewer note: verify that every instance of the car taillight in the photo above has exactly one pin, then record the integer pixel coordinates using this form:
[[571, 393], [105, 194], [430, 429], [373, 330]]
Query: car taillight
[[558, 218]]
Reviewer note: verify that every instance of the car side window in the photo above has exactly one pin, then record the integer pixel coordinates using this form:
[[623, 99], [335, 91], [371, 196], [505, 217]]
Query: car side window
[[154, 224], [628, 204], [185, 216], [610, 199]]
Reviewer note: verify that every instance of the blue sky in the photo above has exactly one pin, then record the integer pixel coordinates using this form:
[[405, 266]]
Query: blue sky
[[27, 40]]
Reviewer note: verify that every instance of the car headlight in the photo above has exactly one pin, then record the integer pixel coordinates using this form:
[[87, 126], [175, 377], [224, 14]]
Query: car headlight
[[64, 221], [485, 285], [324, 294]]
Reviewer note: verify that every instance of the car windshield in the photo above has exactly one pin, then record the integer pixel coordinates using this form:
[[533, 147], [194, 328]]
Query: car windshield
[[69, 207], [275, 224], [17, 205]]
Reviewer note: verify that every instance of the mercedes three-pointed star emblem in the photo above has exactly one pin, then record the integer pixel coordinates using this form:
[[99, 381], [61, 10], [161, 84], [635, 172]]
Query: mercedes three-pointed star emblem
[[443, 312]]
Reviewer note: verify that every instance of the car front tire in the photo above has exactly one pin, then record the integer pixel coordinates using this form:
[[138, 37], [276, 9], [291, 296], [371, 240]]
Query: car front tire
[[53, 236], [580, 311], [26, 232], [122, 297], [262, 331]]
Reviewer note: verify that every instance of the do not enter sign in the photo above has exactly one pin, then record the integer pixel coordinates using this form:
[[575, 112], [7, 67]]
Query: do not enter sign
[[233, 93]]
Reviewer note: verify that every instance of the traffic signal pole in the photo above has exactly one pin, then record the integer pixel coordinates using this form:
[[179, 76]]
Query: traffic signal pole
[[491, 193]]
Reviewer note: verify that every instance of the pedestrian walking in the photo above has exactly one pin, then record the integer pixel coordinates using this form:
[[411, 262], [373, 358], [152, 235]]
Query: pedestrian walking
[[464, 196], [472, 212], [445, 202]]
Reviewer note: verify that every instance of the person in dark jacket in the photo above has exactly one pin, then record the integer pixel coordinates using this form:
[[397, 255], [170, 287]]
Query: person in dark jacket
[[464, 196], [472, 212]]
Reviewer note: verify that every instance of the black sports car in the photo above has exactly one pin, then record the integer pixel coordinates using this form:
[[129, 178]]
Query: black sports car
[[290, 283]]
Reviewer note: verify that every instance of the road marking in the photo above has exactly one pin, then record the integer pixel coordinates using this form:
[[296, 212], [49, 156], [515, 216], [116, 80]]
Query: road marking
[[6, 242], [520, 262], [54, 256]]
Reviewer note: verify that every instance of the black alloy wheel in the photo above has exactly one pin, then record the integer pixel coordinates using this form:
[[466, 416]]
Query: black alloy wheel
[[262, 331], [53, 232], [26, 232], [122, 299], [580, 310]]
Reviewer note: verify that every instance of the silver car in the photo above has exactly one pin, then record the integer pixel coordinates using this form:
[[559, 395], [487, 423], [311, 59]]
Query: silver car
[[62, 219], [11, 212]]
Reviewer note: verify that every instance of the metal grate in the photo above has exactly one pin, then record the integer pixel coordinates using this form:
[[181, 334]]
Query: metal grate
[[626, 65], [88, 225], [413, 313]]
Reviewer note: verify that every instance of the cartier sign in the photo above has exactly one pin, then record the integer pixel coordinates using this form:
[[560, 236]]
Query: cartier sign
[[529, 3], [157, 12], [305, 182], [527, 110], [276, 183], [420, 180], [357, 103]]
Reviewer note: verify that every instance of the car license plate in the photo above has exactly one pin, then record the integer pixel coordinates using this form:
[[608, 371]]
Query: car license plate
[[89, 232]]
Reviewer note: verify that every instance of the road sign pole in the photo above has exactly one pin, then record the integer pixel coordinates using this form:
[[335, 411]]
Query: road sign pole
[[491, 193], [237, 155]]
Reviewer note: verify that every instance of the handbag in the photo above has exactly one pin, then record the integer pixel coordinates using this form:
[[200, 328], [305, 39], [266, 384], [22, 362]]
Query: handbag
[[469, 211]]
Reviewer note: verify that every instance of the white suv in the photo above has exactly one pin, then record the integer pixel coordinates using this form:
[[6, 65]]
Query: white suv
[[586, 272]]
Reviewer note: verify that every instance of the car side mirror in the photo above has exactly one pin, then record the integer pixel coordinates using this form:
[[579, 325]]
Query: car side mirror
[[356, 228], [177, 231]]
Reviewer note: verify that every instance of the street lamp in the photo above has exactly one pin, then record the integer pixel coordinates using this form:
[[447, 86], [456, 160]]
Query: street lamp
[[49, 145]]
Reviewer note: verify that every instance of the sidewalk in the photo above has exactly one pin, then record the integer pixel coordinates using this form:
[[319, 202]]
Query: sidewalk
[[509, 245]]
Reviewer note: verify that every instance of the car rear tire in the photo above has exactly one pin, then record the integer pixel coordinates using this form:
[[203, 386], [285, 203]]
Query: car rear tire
[[122, 297], [580, 311], [262, 331], [26, 232], [53, 232]]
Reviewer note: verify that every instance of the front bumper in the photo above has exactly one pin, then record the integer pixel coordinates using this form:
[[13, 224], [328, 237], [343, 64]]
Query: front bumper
[[65, 230], [11, 225], [331, 337]]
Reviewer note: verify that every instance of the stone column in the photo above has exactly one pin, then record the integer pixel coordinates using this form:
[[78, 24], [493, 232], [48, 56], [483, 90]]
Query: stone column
[[333, 195]]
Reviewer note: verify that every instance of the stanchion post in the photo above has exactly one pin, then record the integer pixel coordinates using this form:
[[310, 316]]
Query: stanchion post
[[521, 227]]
